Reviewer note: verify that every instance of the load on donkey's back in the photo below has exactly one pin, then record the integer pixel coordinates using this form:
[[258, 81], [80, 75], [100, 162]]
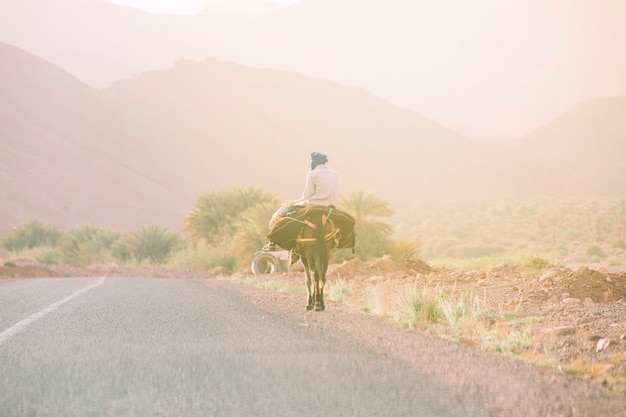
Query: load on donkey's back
[[320, 197]]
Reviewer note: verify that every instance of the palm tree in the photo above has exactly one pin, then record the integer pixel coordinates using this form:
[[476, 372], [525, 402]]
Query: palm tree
[[252, 229], [372, 233], [153, 243], [87, 244], [213, 215], [32, 234], [365, 206]]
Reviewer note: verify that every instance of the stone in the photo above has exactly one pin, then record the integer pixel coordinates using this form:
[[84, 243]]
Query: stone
[[603, 344], [559, 331], [588, 302], [549, 275], [467, 341]]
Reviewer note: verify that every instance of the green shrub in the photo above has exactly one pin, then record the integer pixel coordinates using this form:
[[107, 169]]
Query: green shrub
[[338, 256], [214, 215], [423, 309], [87, 245], [202, 256], [513, 341], [47, 256], [32, 234], [370, 242], [402, 249], [151, 243], [536, 265], [338, 290], [594, 259], [595, 251], [463, 314]]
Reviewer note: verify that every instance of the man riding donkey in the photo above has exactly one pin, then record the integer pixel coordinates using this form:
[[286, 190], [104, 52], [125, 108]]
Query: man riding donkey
[[312, 226], [321, 188]]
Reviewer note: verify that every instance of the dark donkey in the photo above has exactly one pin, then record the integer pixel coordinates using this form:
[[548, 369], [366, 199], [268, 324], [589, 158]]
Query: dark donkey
[[316, 240]]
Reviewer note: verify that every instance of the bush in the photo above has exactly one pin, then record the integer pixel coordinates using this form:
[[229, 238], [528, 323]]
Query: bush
[[424, 309], [370, 243], [338, 256], [338, 290], [595, 251], [87, 245], [33, 234], [536, 265], [202, 256], [151, 243], [47, 256], [214, 215], [401, 250]]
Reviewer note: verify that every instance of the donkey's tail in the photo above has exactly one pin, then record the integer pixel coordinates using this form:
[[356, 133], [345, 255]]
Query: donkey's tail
[[320, 242]]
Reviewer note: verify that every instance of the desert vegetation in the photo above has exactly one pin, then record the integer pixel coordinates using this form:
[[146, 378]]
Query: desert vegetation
[[224, 229], [537, 230]]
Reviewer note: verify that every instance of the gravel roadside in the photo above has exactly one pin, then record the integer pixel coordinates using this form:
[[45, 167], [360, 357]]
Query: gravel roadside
[[507, 387]]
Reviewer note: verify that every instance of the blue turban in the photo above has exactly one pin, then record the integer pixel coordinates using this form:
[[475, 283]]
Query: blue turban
[[318, 159]]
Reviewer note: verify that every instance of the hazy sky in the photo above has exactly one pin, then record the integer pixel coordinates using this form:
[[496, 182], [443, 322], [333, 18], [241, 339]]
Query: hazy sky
[[486, 68], [176, 6]]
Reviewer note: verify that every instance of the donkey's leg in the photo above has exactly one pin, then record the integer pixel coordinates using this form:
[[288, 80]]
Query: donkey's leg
[[322, 285], [319, 291], [309, 286], [319, 301]]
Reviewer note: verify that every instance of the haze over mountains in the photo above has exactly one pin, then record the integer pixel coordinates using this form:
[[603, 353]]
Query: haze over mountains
[[142, 150], [482, 68], [133, 150], [68, 156]]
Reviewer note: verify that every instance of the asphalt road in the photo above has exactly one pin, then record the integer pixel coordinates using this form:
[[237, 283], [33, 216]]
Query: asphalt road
[[164, 347]]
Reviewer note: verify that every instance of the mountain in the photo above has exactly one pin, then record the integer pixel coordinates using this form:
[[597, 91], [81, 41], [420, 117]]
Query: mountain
[[230, 125], [482, 67], [96, 41], [68, 155], [588, 143], [595, 127], [269, 120], [142, 150]]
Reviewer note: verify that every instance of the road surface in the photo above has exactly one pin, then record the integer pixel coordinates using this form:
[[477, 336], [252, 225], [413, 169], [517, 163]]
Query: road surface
[[172, 347]]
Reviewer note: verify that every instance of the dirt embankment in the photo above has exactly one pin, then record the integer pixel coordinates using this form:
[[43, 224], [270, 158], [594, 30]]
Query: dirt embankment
[[577, 318]]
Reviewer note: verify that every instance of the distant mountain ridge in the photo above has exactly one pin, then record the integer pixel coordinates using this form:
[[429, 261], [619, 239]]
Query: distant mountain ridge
[[503, 67], [67, 155], [586, 145], [142, 150], [605, 117]]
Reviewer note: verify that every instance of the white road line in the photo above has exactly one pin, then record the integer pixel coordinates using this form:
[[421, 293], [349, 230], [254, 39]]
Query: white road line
[[12, 331]]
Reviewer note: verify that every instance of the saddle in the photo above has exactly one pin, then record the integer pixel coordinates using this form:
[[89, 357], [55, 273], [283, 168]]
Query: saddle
[[286, 230]]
